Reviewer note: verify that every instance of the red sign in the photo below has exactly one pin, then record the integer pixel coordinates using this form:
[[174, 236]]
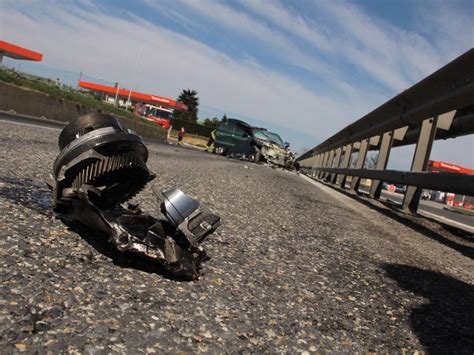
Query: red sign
[[442, 166], [135, 95]]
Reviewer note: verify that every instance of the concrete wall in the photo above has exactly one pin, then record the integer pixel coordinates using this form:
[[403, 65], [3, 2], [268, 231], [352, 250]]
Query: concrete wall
[[34, 103]]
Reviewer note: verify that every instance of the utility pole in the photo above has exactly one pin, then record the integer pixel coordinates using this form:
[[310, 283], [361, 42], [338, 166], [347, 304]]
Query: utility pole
[[118, 83], [133, 74], [80, 77]]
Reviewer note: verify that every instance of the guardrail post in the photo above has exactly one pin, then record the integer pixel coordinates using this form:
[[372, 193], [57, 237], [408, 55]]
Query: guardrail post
[[319, 164], [420, 161], [360, 163], [345, 164], [316, 165], [323, 165], [382, 160], [329, 164], [337, 162]]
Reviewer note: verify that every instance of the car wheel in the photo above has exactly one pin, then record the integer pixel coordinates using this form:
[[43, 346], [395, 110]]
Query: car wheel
[[256, 156]]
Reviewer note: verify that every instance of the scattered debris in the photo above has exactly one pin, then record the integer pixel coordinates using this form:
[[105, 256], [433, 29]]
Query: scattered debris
[[101, 166]]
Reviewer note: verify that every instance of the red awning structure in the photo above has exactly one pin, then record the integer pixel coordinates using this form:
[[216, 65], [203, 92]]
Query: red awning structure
[[16, 52], [134, 95], [434, 165]]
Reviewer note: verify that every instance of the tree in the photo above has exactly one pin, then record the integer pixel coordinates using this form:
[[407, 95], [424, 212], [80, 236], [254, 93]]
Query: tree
[[214, 122], [189, 98]]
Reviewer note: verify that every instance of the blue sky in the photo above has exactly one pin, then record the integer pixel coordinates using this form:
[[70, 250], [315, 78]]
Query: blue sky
[[304, 69]]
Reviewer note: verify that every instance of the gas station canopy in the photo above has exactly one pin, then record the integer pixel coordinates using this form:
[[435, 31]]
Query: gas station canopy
[[134, 95], [434, 165], [16, 52]]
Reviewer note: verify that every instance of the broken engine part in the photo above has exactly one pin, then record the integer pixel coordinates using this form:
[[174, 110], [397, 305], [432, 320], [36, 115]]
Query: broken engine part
[[100, 167]]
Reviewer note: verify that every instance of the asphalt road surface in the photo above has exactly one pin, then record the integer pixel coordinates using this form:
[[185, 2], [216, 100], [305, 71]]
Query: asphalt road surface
[[295, 268], [432, 207]]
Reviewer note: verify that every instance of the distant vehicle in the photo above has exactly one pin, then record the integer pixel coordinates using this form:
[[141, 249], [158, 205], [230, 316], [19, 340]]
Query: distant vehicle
[[400, 188], [394, 187], [238, 139], [157, 114]]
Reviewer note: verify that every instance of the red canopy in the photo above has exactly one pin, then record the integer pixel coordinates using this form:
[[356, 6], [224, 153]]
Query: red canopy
[[17, 52], [452, 168], [135, 95]]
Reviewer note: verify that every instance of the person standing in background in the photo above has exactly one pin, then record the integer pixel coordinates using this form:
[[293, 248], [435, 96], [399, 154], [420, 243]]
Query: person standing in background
[[211, 141], [181, 134]]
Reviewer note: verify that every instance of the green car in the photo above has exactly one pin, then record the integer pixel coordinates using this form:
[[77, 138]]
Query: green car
[[231, 133], [238, 139]]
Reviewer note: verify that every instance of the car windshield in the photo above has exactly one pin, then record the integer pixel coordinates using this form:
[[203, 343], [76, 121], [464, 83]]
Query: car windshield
[[260, 134], [275, 138]]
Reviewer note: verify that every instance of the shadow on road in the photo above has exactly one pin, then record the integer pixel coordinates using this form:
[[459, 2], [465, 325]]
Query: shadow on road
[[453, 237], [445, 324], [99, 242], [31, 194]]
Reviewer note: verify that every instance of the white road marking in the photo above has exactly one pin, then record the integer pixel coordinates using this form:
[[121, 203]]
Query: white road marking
[[446, 220], [353, 204]]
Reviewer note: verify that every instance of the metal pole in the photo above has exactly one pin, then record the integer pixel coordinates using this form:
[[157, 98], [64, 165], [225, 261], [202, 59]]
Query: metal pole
[[360, 163], [133, 74], [316, 164], [329, 164], [420, 161], [345, 164], [79, 79], [320, 164], [325, 160], [118, 83], [337, 162], [382, 160]]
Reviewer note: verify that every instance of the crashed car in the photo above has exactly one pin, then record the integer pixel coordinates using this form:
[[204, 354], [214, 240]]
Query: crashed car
[[238, 139]]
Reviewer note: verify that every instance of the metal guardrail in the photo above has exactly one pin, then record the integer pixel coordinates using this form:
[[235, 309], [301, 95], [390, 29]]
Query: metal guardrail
[[440, 106]]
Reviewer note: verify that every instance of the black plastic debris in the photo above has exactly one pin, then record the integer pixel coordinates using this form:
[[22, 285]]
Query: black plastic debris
[[99, 168]]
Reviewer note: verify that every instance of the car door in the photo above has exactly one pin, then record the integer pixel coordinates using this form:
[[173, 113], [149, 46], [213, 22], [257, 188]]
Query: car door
[[224, 135], [241, 134], [242, 140]]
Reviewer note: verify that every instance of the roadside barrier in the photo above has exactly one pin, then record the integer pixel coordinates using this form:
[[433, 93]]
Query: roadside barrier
[[440, 106]]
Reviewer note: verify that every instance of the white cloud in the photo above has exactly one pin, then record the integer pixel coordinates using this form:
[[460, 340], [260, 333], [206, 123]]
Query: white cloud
[[97, 42], [317, 35], [392, 56], [452, 26], [240, 22]]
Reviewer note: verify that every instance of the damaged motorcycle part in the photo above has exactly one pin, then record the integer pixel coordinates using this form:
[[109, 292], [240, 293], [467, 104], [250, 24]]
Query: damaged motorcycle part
[[101, 166]]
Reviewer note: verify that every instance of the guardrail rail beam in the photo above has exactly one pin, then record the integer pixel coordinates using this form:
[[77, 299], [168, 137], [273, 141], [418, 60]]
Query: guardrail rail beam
[[440, 106]]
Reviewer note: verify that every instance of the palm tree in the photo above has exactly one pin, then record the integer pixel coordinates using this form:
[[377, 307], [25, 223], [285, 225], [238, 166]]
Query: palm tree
[[189, 98]]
